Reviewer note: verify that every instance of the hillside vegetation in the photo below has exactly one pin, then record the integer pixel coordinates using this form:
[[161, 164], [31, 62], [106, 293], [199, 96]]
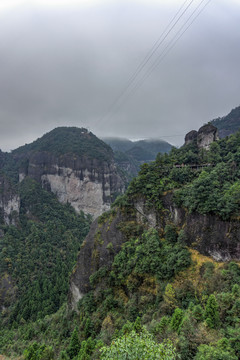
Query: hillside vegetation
[[155, 291], [39, 254], [228, 124], [69, 140]]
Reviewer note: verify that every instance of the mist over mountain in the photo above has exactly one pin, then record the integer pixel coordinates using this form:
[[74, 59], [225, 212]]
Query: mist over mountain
[[141, 150]]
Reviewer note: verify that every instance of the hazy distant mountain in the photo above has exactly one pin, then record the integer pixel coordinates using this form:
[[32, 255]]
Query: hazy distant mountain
[[140, 154], [119, 144], [129, 155], [154, 146], [228, 124], [140, 150]]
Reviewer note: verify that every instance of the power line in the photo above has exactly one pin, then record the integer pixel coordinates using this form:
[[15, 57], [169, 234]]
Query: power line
[[160, 57], [172, 43], [150, 54], [158, 43]]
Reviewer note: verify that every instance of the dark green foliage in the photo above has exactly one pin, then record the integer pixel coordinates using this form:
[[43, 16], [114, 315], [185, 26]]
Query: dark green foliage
[[137, 326], [203, 181], [161, 327], [149, 255], [206, 352], [69, 140], [87, 303], [230, 123], [198, 312], [74, 345], [176, 320], [41, 252], [38, 352], [211, 313], [87, 348], [99, 274], [171, 233]]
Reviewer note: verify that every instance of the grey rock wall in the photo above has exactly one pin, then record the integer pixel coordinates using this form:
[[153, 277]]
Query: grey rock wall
[[89, 185]]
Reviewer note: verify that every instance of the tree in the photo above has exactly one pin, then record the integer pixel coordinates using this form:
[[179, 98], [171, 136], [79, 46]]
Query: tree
[[176, 319], [211, 313], [138, 346], [170, 297], [74, 345], [206, 352]]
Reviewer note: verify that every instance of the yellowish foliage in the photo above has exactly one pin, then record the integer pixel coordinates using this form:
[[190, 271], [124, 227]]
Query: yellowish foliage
[[107, 322], [149, 285], [120, 294], [193, 272]]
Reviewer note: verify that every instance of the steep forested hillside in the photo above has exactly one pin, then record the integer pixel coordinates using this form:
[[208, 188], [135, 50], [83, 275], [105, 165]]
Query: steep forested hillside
[[228, 124], [38, 255], [151, 294]]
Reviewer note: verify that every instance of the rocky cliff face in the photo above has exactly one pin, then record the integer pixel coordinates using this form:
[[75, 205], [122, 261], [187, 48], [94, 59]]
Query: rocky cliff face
[[204, 136], [98, 249], [75, 165], [209, 235], [9, 202], [89, 185]]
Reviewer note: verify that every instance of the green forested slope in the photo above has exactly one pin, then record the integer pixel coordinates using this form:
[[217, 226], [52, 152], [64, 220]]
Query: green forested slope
[[39, 254], [155, 289]]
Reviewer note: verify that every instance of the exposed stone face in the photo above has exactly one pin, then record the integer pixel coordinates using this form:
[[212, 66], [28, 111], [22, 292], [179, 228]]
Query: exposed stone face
[[143, 214], [208, 234], [206, 135], [9, 202], [87, 184], [98, 249], [190, 137]]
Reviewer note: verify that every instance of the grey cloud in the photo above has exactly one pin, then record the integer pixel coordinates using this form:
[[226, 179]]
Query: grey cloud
[[66, 66]]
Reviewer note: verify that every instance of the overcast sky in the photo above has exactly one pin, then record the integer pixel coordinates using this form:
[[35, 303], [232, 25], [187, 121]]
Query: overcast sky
[[65, 62]]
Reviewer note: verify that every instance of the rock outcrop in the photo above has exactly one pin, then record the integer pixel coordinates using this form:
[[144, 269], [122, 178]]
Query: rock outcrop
[[87, 184], [76, 166], [208, 234], [190, 137], [98, 249], [204, 136], [9, 202]]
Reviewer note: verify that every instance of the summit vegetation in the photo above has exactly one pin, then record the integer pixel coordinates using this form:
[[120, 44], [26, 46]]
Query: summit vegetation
[[71, 141]]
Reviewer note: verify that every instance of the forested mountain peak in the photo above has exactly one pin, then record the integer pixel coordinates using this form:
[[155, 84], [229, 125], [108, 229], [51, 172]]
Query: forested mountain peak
[[69, 140]]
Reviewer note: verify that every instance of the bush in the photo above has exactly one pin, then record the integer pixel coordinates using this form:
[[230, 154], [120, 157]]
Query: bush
[[138, 346]]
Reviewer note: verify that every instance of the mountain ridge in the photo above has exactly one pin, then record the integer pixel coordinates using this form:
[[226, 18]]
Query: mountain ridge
[[228, 124]]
